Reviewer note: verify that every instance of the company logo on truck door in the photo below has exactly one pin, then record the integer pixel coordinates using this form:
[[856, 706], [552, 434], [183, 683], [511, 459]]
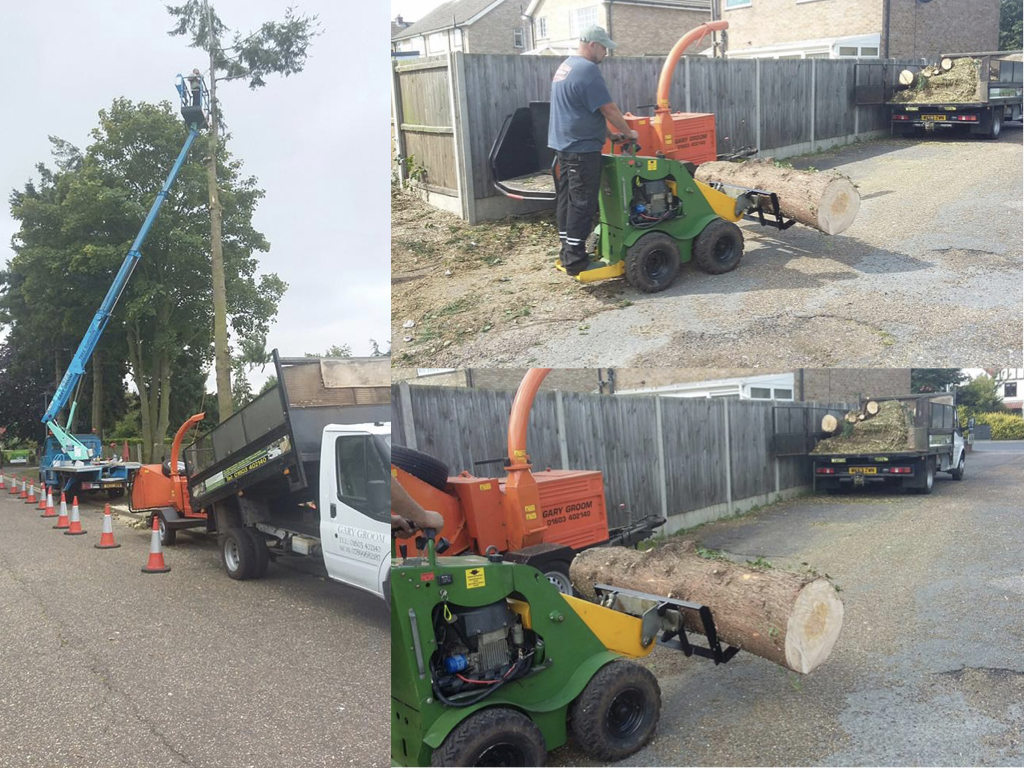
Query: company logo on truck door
[[576, 511], [244, 466]]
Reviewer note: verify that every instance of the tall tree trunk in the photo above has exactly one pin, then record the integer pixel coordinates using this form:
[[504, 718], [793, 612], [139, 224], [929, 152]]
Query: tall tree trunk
[[221, 355], [138, 373], [97, 395]]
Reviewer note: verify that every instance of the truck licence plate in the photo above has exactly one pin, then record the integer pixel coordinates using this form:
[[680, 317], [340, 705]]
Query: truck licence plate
[[933, 117], [113, 485], [863, 470]]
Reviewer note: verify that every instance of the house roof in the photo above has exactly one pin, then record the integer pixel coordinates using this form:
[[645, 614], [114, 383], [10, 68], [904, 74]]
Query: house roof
[[457, 12], [398, 28], [682, 5]]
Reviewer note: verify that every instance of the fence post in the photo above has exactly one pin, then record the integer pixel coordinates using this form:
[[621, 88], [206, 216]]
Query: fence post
[[814, 69], [775, 453], [409, 426], [396, 115], [727, 459], [686, 78], [757, 101], [563, 440], [662, 470], [463, 146]]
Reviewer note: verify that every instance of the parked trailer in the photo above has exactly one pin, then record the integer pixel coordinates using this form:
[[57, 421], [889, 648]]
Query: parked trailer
[[935, 443], [997, 99], [301, 470]]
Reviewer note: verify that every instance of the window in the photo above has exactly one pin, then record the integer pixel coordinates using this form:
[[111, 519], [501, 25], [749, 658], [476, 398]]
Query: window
[[362, 480], [848, 50], [437, 43], [783, 394], [580, 19], [736, 4], [518, 38], [760, 393], [872, 51], [1010, 389], [542, 28]]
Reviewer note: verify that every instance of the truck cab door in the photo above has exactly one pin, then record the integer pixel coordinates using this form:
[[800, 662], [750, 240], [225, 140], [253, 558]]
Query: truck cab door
[[355, 503]]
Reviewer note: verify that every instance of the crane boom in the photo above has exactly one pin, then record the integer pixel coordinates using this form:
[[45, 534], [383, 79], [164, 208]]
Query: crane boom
[[71, 445]]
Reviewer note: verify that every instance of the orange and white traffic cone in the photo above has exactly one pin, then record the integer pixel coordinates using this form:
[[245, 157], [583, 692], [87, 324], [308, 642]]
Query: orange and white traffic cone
[[50, 511], [2, 486], [63, 521], [107, 536], [42, 498], [31, 498], [14, 485], [23, 495], [75, 529], [155, 564]]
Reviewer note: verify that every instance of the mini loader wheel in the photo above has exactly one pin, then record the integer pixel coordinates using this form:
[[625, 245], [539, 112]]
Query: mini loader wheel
[[493, 736], [617, 712], [718, 248], [652, 262]]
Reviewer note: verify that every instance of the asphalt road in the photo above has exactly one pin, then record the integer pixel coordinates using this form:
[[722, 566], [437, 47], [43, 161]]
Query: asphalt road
[[928, 274], [102, 665], [929, 668]]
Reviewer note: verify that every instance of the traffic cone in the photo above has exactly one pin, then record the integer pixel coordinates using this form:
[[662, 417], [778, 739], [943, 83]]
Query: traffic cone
[[31, 498], [42, 498], [62, 520], [75, 529], [50, 511], [23, 495], [14, 485], [107, 536], [2, 486], [156, 556]]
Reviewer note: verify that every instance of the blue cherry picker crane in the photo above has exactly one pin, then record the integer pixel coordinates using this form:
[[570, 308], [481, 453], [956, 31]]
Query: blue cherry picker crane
[[74, 463]]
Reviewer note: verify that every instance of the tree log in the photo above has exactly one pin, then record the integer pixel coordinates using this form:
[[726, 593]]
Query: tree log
[[829, 423], [852, 417], [826, 201], [907, 77], [787, 618], [946, 64], [871, 408]]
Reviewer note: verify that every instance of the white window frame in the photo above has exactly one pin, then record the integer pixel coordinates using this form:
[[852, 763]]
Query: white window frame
[[575, 26], [518, 37], [542, 28], [739, 4]]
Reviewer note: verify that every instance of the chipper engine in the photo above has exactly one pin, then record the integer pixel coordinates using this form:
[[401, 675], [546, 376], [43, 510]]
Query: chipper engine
[[658, 210], [492, 665]]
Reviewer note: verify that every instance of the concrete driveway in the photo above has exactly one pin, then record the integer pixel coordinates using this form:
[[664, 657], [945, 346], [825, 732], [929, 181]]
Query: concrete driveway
[[102, 665], [929, 668]]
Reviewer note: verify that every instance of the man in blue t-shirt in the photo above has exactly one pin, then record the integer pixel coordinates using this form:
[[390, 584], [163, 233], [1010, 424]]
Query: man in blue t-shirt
[[581, 109]]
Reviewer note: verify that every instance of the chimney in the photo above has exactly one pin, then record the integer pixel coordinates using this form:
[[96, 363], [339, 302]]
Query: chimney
[[398, 20]]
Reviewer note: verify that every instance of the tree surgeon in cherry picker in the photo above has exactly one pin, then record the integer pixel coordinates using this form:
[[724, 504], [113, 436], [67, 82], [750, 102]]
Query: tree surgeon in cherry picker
[[581, 109]]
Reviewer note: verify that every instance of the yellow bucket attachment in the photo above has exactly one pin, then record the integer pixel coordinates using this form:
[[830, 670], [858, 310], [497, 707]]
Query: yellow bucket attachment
[[619, 632], [720, 202], [618, 269]]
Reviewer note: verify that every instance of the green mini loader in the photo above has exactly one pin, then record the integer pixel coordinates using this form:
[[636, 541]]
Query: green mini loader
[[492, 665]]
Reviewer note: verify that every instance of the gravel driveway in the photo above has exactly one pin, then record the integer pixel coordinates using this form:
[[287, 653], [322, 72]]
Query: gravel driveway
[[929, 274], [928, 669]]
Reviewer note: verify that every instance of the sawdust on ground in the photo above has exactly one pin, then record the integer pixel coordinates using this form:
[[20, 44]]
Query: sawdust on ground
[[452, 281]]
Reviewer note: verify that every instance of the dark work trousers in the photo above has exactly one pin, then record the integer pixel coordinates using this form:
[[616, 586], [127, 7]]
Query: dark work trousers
[[579, 184]]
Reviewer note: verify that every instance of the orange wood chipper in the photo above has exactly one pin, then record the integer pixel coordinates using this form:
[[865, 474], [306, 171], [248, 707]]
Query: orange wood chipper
[[540, 518]]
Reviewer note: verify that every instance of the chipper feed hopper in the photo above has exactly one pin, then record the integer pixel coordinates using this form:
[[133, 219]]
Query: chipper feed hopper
[[492, 665], [654, 215], [541, 518]]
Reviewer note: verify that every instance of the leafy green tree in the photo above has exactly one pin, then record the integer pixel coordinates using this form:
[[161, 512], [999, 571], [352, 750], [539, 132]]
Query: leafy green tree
[[980, 396], [1011, 25], [80, 224], [936, 379], [334, 351], [274, 48]]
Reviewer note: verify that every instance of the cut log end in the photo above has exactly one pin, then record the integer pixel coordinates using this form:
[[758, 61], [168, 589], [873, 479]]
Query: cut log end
[[814, 626], [871, 407], [838, 206], [829, 423]]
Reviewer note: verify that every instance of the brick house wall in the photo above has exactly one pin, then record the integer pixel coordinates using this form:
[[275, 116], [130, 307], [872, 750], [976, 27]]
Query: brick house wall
[[646, 31], [769, 22], [493, 32], [838, 385], [942, 26]]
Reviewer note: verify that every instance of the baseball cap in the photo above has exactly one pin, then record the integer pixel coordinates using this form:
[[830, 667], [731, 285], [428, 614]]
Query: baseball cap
[[596, 34]]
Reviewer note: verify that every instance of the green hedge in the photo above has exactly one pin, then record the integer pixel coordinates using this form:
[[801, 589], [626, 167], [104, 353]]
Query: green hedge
[[18, 453], [1005, 426]]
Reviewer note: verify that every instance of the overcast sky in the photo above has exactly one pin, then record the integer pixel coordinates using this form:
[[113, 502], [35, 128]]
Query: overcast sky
[[412, 10], [318, 142]]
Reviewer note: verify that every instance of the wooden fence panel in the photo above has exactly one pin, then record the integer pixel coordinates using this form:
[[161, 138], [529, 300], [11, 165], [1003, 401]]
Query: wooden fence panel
[[785, 103], [427, 131], [750, 433], [833, 99], [694, 435], [728, 90]]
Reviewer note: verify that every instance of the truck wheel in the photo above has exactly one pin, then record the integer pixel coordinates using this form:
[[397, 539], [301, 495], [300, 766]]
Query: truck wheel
[[167, 535], [958, 473], [929, 478], [259, 549], [422, 466], [237, 553], [996, 123], [617, 712], [493, 736], [652, 262], [718, 248], [557, 572]]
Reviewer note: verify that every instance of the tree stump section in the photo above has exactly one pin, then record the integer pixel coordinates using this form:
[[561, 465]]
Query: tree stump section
[[871, 408], [790, 619], [826, 201], [907, 77], [829, 423]]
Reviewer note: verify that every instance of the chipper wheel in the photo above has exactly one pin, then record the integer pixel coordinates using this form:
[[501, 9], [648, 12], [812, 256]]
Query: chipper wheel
[[493, 736], [617, 712], [652, 262], [718, 248]]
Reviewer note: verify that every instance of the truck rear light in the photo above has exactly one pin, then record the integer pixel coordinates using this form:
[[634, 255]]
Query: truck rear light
[[901, 117], [826, 470], [900, 470], [966, 118]]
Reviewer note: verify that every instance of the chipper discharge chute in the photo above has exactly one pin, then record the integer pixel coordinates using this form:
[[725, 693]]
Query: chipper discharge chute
[[663, 199]]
